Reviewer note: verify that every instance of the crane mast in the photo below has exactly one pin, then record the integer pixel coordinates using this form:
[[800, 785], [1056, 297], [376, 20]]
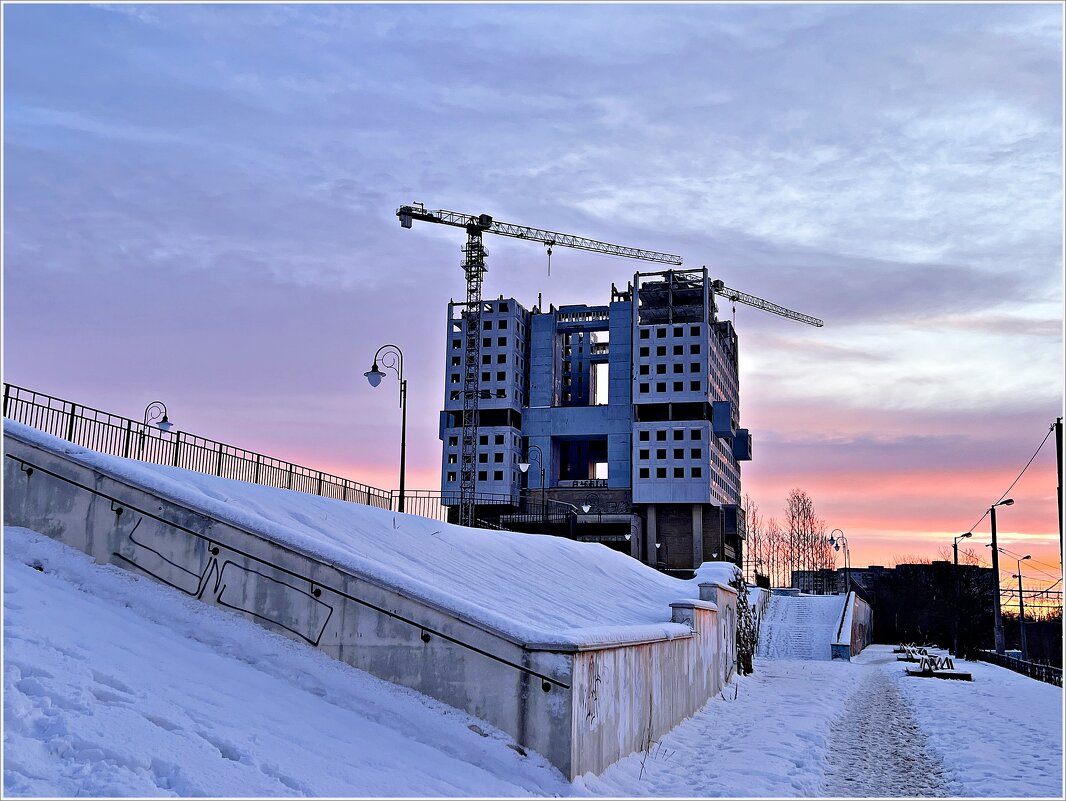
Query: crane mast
[[474, 268], [720, 288]]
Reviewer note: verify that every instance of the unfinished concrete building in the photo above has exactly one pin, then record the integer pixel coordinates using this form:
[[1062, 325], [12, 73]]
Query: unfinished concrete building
[[626, 414]]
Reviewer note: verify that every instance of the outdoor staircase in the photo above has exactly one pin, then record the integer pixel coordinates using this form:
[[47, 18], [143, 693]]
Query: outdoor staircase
[[800, 627]]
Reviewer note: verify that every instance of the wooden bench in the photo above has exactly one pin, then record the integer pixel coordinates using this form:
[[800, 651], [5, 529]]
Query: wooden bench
[[912, 653], [938, 667]]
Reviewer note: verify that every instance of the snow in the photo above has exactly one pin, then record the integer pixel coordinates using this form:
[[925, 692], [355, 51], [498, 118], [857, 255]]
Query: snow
[[115, 685], [1001, 735], [842, 636], [800, 626], [531, 588]]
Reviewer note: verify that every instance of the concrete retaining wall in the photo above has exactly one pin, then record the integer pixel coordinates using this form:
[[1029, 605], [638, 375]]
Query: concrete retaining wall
[[856, 628], [581, 708]]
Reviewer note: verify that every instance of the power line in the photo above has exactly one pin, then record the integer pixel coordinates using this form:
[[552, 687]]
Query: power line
[[1031, 562], [1019, 478]]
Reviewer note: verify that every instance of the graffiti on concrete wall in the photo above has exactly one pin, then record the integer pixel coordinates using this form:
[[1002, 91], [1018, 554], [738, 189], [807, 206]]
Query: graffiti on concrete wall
[[269, 593]]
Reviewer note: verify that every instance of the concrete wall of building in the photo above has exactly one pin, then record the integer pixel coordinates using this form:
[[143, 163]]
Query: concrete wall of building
[[582, 711], [503, 383]]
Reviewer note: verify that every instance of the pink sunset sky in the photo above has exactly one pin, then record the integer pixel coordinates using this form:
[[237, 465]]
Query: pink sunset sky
[[199, 207]]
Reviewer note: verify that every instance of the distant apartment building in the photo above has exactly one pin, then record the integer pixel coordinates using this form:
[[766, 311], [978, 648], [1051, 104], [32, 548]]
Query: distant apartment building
[[629, 409]]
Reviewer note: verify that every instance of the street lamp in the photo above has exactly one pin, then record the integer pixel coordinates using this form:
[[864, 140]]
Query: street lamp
[[1021, 607], [531, 451], [955, 576], [666, 554], [592, 500], [836, 543], [392, 357], [156, 410], [995, 576]]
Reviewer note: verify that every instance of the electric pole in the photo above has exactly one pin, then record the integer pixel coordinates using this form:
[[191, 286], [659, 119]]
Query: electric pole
[[1058, 463], [995, 577]]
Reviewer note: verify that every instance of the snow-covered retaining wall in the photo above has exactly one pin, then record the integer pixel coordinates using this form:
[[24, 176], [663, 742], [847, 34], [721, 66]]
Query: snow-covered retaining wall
[[624, 695], [856, 628], [581, 702], [758, 600]]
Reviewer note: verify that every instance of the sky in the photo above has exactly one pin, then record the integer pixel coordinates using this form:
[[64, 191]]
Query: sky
[[199, 207]]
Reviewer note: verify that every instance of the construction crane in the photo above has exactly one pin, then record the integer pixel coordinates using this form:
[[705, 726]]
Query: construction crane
[[720, 288], [474, 266]]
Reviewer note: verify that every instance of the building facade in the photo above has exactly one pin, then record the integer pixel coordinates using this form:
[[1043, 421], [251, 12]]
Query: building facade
[[629, 409]]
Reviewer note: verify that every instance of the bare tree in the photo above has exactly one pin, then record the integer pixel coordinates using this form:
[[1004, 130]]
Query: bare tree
[[776, 553], [756, 544], [807, 545]]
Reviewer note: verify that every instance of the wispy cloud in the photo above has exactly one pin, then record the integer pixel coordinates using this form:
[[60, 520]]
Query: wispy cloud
[[222, 180]]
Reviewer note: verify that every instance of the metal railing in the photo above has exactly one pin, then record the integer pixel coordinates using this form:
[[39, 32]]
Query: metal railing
[[434, 503], [1046, 673], [132, 439]]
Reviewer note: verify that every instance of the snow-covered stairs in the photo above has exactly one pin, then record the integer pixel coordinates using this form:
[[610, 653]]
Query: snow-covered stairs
[[800, 627]]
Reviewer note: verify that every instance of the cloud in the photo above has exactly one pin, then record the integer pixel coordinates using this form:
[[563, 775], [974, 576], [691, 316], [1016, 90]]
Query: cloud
[[206, 195]]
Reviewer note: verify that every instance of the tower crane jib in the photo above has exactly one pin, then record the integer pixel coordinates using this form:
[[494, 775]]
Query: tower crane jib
[[719, 287]]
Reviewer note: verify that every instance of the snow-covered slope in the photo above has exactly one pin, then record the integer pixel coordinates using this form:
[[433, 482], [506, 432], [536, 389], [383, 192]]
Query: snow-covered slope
[[800, 627], [115, 685], [530, 587]]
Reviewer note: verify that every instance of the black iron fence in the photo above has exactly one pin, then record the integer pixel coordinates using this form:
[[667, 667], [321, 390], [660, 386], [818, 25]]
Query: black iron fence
[[133, 439], [120, 436], [1047, 673], [435, 504]]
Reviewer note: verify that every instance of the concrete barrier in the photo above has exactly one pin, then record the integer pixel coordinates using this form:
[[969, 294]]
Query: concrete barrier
[[856, 628], [582, 707]]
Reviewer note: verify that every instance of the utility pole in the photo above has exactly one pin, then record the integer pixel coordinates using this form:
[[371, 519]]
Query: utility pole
[[1057, 425], [1021, 607], [995, 577], [955, 576], [1021, 616]]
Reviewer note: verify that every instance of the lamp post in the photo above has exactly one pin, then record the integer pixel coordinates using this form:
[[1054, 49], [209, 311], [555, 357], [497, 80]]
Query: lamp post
[[1021, 607], [955, 576], [836, 543], [156, 410], [660, 545], [592, 501], [998, 616], [392, 357], [524, 466]]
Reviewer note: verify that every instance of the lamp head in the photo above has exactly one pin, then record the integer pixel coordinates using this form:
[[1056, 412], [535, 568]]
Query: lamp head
[[1007, 502], [523, 466], [374, 375], [164, 424], [1027, 556], [831, 540], [585, 508], [967, 534]]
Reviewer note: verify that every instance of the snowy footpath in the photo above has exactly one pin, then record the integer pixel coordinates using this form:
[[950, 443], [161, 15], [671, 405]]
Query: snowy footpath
[[117, 686]]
